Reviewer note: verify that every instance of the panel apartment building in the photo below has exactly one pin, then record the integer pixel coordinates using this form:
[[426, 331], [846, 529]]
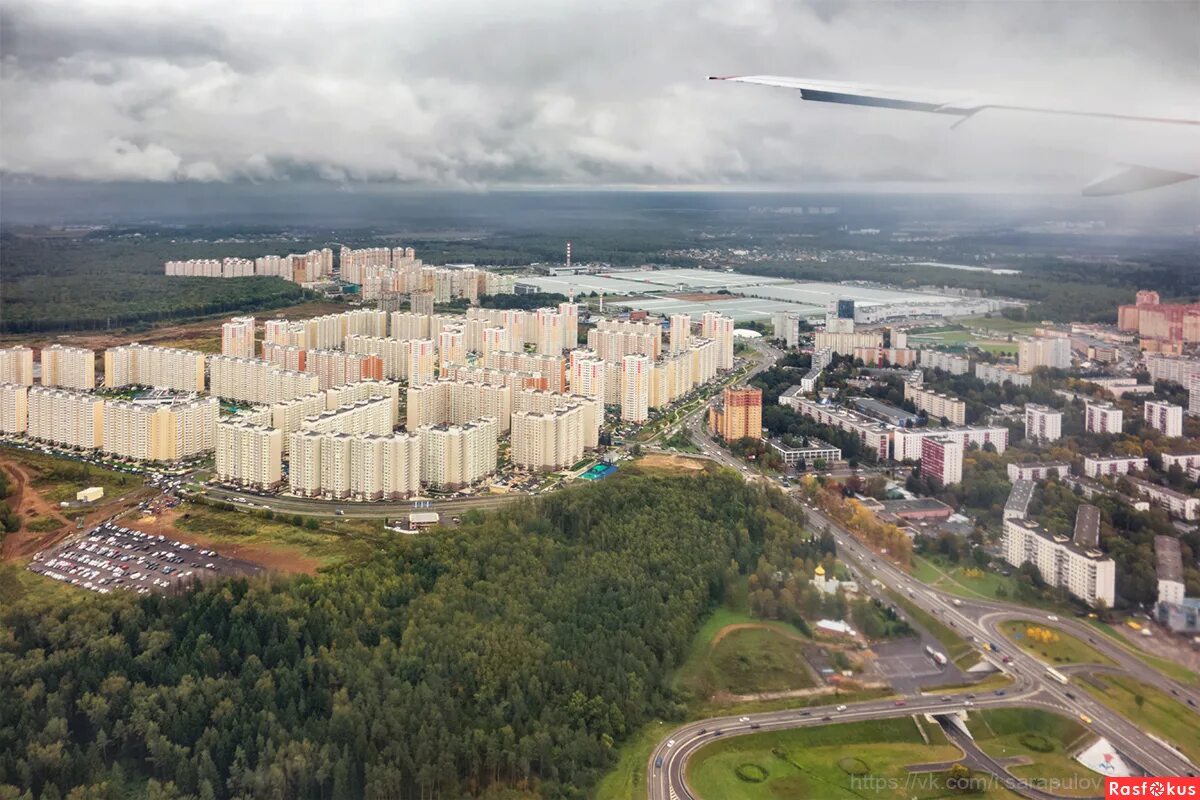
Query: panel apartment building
[[1074, 563], [936, 404], [160, 433], [159, 367], [69, 367]]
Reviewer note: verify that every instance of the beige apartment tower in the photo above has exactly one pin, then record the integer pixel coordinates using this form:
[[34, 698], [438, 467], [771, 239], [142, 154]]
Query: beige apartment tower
[[69, 367]]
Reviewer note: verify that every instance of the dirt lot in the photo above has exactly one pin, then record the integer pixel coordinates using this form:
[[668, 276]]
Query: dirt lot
[[671, 462]]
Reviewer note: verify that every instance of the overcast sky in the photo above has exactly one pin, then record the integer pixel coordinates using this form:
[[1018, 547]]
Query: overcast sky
[[469, 93]]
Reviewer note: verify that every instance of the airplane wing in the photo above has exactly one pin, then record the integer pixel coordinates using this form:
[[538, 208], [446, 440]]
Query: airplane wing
[[1127, 178]]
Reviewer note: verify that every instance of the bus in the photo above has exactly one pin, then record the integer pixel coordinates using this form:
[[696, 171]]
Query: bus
[[1056, 675], [938, 658]]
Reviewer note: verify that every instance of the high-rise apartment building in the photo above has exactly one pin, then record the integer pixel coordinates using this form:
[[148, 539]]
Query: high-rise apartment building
[[786, 326], [65, 418], [1052, 352], [421, 302], [421, 361], [542, 402], [680, 332], [1042, 423], [548, 440], [249, 380], [16, 365], [587, 374], [159, 367], [719, 328], [14, 407], [160, 433], [942, 458], [1102, 418], [69, 367], [372, 415], [739, 415], [249, 455], [552, 368], [635, 387], [457, 402], [1001, 373], [237, 337], [1165, 418], [451, 349], [456, 456], [570, 325], [946, 362]]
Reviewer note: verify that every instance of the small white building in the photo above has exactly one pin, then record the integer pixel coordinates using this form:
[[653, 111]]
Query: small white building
[[90, 495]]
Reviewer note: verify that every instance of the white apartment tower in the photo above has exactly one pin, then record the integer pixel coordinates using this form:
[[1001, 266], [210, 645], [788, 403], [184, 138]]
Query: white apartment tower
[[1165, 418], [454, 456], [1102, 418], [1042, 423]]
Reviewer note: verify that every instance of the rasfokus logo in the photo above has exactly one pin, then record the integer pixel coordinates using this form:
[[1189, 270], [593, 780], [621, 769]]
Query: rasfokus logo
[[1151, 788]]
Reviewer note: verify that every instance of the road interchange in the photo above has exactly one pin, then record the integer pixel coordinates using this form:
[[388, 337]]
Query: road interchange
[[1032, 687]]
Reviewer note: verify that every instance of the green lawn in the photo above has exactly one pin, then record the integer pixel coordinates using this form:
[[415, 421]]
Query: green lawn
[[1158, 712], [956, 647], [18, 583], [1027, 732], [996, 346], [950, 578], [998, 324], [832, 762], [1066, 650], [697, 671]]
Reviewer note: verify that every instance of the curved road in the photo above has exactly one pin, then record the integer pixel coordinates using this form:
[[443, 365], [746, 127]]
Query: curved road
[[1032, 687]]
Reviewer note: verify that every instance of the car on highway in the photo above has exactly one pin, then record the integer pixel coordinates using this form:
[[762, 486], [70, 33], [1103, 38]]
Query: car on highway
[[1085, 719], [999, 693], [841, 708], [900, 703], [743, 719], [658, 762], [826, 718], [670, 743]]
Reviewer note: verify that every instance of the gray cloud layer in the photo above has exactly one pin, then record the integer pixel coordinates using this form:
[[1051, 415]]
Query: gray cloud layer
[[470, 92]]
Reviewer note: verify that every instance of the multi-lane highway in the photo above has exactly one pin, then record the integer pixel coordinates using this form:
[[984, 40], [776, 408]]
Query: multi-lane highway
[[1032, 687]]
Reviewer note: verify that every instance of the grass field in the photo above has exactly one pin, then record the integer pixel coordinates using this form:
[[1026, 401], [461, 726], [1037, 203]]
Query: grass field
[[998, 324], [957, 648], [331, 543], [1157, 713], [950, 578], [627, 780], [1065, 650], [18, 583], [1005, 732], [751, 660], [698, 668], [831, 762]]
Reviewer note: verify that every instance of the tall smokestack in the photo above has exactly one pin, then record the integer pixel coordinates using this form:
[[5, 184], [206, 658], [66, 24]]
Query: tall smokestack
[[568, 255]]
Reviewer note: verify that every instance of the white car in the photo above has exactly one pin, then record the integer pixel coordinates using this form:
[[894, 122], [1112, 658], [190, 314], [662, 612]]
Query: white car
[[743, 719], [671, 743], [841, 708]]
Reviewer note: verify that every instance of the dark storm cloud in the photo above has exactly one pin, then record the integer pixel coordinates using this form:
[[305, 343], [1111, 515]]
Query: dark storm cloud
[[467, 92]]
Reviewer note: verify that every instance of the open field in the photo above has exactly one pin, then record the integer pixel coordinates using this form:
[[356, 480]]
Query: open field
[[1157, 712], [999, 324], [953, 579], [275, 543], [1065, 649], [1048, 740], [749, 660], [826, 762], [58, 479]]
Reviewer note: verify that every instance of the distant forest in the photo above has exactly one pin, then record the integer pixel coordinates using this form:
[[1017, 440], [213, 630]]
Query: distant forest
[[508, 657]]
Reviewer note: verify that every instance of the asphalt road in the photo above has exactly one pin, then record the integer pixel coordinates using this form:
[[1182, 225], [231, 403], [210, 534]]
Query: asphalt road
[[1032, 687], [329, 508]]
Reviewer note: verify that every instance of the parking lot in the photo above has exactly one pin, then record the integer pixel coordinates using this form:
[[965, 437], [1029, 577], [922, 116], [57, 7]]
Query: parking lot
[[113, 557], [904, 664]]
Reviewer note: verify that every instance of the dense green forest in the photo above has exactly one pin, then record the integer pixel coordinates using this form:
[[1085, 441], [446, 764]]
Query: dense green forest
[[509, 655], [72, 284]]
